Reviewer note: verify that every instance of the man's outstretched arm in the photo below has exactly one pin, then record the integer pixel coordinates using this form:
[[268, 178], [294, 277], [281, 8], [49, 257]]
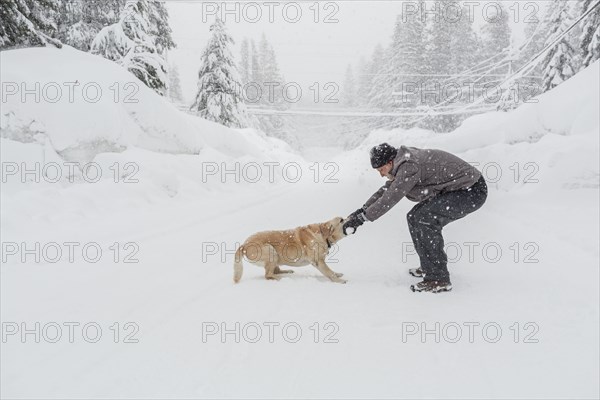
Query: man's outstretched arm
[[370, 201], [406, 179], [385, 198], [377, 195]]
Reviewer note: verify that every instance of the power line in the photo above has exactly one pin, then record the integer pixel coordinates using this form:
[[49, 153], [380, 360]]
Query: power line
[[536, 59]]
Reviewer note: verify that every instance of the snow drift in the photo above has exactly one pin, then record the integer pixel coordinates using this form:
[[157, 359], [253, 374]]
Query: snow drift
[[82, 105]]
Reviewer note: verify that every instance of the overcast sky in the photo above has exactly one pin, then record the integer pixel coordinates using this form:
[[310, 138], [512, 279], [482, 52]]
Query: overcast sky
[[317, 47]]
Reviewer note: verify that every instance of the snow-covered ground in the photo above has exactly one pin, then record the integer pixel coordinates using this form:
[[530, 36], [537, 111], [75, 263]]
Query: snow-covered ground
[[180, 193]]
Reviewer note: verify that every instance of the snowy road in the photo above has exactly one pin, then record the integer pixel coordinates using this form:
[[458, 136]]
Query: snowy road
[[118, 283], [510, 328]]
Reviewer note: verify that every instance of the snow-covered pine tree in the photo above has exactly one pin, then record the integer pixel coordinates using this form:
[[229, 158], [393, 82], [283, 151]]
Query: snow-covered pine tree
[[401, 58], [439, 51], [245, 61], [496, 36], [349, 90], [251, 77], [439, 59], [364, 77], [219, 96], [130, 43], [496, 39], [159, 26], [365, 71], [590, 38], [255, 68], [576, 9], [466, 46], [407, 61], [272, 94], [175, 93], [559, 64], [81, 20], [398, 64], [380, 95], [538, 31], [28, 23], [453, 48], [69, 25], [272, 79]]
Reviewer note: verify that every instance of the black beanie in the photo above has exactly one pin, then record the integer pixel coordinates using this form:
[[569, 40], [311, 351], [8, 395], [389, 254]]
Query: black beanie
[[382, 154]]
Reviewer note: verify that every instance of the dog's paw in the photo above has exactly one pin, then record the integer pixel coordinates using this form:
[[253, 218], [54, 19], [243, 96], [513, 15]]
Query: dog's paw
[[338, 280], [339, 274], [285, 271]]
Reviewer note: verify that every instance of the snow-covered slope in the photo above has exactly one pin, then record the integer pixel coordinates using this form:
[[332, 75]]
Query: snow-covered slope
[[82, 105]]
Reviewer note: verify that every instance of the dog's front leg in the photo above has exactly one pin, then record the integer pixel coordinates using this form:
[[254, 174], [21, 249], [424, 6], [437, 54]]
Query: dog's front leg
[[325, 270]]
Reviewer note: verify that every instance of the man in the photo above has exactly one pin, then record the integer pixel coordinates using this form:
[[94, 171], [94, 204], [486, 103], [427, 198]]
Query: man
[[446, 188]]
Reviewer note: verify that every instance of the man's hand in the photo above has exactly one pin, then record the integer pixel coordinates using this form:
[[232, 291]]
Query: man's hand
[[356, 213], [355, 220]]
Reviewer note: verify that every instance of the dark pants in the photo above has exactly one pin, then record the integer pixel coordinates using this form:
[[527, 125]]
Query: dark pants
[[426, 220]]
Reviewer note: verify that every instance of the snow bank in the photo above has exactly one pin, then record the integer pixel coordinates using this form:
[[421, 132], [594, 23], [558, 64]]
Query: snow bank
[[554, 140], [82, 105]]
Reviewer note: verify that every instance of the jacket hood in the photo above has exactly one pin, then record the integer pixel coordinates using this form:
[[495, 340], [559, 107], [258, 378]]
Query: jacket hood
[[404, 155]]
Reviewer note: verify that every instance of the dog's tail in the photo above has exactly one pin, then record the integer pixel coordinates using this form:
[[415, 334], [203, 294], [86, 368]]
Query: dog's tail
[[238, 267]]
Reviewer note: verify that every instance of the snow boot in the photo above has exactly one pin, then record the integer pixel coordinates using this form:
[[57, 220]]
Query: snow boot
[[417, 272], [431, 286]]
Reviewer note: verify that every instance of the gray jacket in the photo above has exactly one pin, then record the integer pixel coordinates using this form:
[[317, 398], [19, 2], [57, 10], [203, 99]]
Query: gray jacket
[[420, 174]]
